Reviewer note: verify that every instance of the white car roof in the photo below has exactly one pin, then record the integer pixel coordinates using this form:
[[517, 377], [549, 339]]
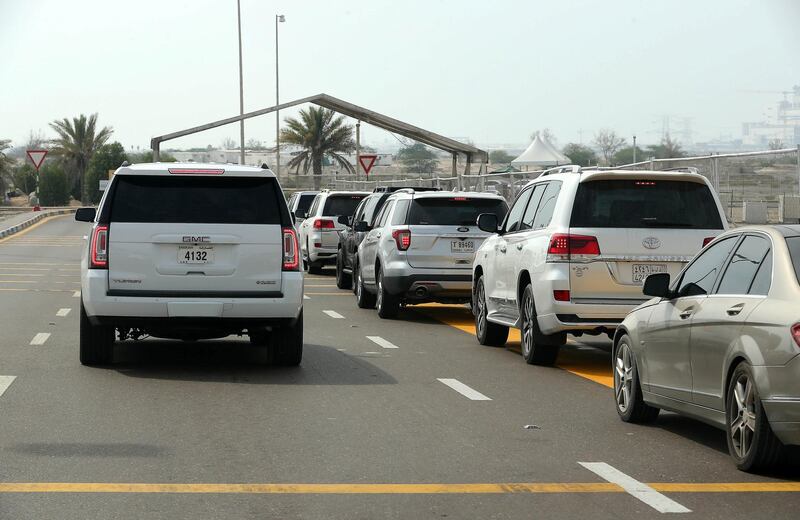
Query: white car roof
[[450, 194], [194, 169]]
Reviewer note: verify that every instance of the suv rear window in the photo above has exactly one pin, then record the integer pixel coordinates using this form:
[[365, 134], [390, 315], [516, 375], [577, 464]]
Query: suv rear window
[[337, 205], [453, 211], [626, 203], [206, 200]]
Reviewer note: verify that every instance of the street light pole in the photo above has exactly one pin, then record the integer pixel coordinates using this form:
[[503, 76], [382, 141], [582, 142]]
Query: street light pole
[[634, 149], [278, 18], [241, 84]]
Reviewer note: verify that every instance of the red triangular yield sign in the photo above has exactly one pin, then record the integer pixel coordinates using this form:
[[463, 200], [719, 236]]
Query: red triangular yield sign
[[367, 162], [37, 157]]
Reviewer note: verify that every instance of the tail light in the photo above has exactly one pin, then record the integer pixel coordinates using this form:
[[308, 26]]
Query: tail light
[[291, 250], [561, 296], [324, 223], [707, 240], [565, 247], [98, 248], [796, 334], [402, 237]]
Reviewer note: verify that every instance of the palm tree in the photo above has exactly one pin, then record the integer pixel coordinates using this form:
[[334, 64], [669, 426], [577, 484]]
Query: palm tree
[[320, 134], [77, 141]]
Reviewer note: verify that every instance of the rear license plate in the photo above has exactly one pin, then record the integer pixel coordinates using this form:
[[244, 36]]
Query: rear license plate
[[642, 271], [462, 246], [195, 254]]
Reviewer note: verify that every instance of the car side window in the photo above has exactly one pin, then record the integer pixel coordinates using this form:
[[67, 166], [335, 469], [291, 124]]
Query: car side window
[[545, 212], [400, 212], [515, 214], [763, 279], [359, 214], [743, 265], [387, 208], [533, 205], [699, 277], [313, 210]]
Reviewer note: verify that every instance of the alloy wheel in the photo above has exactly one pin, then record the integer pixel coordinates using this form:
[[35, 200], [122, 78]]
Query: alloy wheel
[[623, 377], [742, 416], [527, 325], [481, 310]]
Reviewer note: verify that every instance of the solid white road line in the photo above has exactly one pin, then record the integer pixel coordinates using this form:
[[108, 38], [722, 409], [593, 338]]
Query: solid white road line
[[464, 390], [63, 312], [5, 382], [636, 489], [334, 314], [306, 297], [40, 338], [76, 294], [381, 342]]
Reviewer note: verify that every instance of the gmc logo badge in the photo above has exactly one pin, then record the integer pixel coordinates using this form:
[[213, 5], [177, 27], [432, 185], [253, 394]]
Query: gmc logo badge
[[196, 240]]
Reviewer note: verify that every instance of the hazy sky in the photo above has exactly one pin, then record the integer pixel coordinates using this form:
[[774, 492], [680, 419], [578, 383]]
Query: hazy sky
[[490, 71]]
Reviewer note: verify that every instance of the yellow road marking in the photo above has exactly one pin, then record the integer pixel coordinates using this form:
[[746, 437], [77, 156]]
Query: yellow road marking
[[77, 266], [15, 289], [21, 274], [589, 364], [31, 228], [20, 281], [327, 294], [329, 285], [392, 489]]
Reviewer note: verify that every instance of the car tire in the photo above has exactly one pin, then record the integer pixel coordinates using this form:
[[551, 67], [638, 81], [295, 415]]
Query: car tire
[[96, 342], [488, 333], [387, 304], [537, 348], [287, 343], [364, 298], [751, 442], [627, 389], [343, 280], [259, 337]]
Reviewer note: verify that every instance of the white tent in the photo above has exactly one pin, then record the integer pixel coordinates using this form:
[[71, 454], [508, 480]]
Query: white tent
[[541, 153]]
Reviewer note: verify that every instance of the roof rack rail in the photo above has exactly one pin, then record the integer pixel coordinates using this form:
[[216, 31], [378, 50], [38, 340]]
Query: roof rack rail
[[569, 168]]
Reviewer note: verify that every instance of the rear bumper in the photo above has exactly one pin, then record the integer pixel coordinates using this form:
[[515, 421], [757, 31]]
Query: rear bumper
[[780, 392], [784, 418], [326, 253], [427, 284], [101, 303]]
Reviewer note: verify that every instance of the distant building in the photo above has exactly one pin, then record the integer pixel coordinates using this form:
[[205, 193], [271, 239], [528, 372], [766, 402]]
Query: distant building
[[782, 125]]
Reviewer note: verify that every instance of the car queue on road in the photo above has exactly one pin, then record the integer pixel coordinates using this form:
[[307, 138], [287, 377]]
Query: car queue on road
[[592, 252]]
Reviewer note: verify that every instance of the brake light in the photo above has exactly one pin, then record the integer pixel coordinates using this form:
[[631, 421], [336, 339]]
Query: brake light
[[460, 198], [564, 246], [796, 333], [707, 240], [644, 183], [291, 248], [561, 296], [98, 248], [196, 171], [402, 237], [323, 223]]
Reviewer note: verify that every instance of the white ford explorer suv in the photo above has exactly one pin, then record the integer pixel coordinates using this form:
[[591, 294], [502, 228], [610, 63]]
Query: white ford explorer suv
[[191, 251], [576, 246]]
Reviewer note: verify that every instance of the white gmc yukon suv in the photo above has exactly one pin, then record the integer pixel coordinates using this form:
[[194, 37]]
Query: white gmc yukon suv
[[191, 251]]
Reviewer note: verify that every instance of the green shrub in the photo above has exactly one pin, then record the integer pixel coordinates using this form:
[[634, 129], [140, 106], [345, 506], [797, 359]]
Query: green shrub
[[53, 188]]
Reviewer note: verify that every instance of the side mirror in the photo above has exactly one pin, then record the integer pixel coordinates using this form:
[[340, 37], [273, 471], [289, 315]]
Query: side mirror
[[85, 214], [657, 285], [344, 219], [361, 226], [300, 213], [487, 222]]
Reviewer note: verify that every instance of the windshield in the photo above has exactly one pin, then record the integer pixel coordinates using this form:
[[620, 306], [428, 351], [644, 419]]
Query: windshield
[[338, 205], [305, 201], [218, 200], [648, 203], [453, 211]]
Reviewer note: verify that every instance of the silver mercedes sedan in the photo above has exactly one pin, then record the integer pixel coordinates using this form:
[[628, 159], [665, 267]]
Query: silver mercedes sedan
[[721, 344]]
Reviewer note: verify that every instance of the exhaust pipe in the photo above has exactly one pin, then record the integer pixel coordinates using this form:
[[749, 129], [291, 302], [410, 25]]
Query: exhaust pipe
[[421, 291]]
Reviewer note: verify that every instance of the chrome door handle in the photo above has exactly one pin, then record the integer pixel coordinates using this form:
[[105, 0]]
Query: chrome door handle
[[685, 314], [735, 310]]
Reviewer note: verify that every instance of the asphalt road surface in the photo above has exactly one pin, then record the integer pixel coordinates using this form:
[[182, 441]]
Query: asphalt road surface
[[408, 418]]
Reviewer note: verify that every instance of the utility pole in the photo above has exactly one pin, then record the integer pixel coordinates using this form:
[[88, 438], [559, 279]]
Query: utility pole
[[634, 148], [278, 18], [241, 84]]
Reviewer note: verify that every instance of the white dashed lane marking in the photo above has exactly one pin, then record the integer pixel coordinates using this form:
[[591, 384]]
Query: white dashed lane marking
[[40, 338], [334, 314], [306, 297], [76, 294], [63, 312], [636, 489], [5, 382], [381, 342], [464, 390]]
